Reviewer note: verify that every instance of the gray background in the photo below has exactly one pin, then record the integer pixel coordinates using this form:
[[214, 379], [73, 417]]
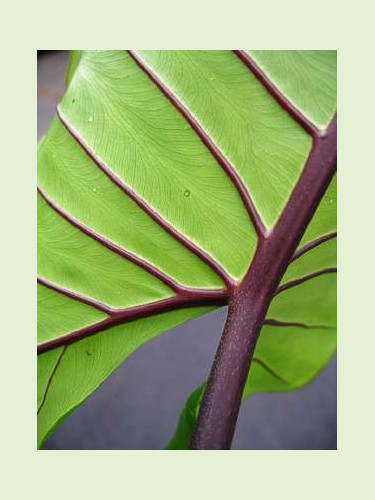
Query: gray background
[[138, 407]]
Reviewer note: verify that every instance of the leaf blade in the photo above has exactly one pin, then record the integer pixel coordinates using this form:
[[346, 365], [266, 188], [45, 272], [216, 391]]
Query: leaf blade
[[167, 166]]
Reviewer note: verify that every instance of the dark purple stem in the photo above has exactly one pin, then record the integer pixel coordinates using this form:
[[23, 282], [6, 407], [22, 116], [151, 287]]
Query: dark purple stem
[[208, 142], [250, 301], [219, 270]]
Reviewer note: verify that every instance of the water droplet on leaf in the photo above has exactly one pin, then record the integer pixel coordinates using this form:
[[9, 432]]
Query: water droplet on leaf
[[90, 118], [187, 192]]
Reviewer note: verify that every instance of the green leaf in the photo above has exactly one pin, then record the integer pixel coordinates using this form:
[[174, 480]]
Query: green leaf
[[68, 375], [149, 178], [75, 56]]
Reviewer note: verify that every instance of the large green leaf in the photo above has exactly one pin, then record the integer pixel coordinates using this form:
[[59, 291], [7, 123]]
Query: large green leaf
[[140, 215]]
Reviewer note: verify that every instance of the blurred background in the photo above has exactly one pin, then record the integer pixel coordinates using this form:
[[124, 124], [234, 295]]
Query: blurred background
[[138, 407]]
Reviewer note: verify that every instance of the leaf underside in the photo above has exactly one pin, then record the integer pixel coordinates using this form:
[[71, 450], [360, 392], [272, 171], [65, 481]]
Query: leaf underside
[[155, 178]]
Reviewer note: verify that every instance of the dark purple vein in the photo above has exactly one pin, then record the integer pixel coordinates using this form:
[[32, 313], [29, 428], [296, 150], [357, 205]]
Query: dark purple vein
[[167, 280], [50, 379], [199, 252], [276, 93], [278, 323], [270, 370], [186, 299], [299, 281], [313, 244], [208, 142], [76, 296]]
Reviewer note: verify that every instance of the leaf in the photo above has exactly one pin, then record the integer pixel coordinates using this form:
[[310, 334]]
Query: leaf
[[156, 177], [75, 57]]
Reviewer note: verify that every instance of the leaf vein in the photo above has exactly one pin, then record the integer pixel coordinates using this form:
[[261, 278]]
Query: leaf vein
[[313, 244], [188, 298], [270, 370], [277, 94], [50, 379], [208, 142], [303, 279]]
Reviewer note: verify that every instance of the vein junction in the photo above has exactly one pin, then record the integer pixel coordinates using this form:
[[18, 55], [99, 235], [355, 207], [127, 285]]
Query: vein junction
[[183, 296]]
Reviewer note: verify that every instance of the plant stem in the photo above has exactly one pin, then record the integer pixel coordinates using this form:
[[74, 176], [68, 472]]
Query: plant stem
[[221, 403], [250, 300]]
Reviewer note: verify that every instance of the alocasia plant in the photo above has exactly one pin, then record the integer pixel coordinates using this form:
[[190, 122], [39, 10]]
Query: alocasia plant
[[175, 182]]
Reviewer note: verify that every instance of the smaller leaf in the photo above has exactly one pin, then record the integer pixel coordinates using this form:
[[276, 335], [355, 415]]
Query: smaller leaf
[[287, 358]]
